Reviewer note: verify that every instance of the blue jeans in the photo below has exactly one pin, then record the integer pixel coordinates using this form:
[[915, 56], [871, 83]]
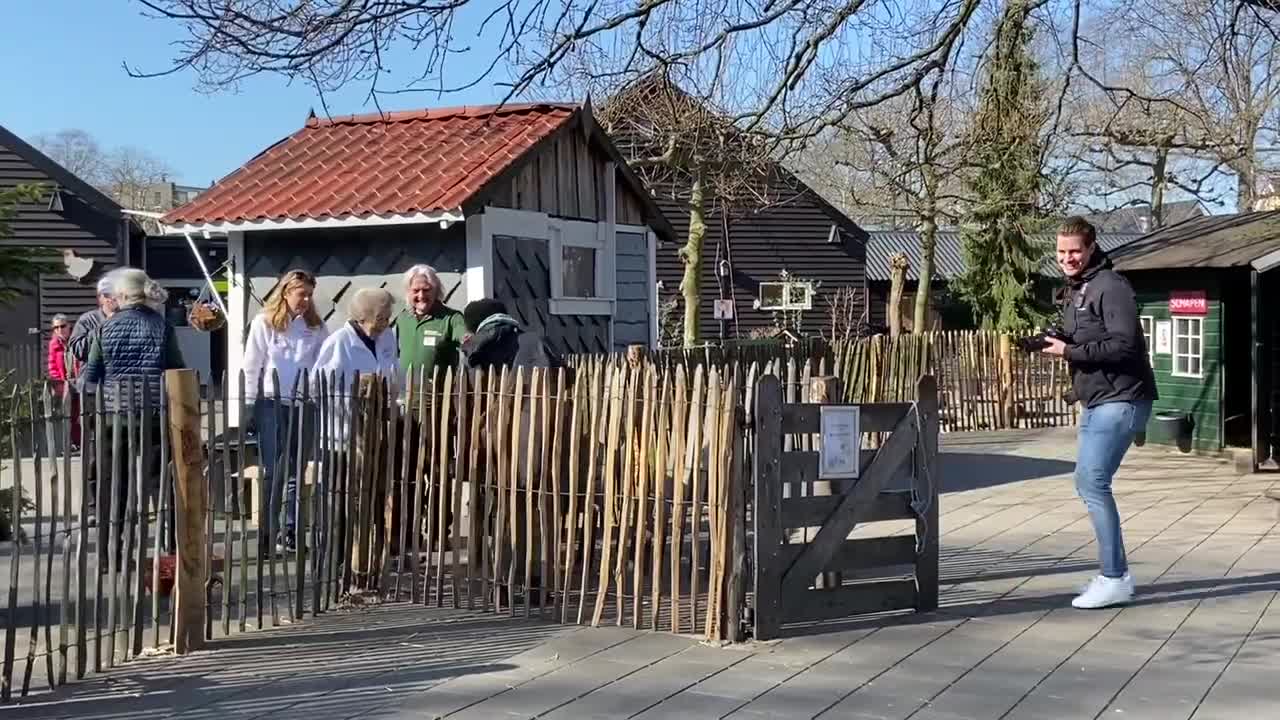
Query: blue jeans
[[272, 419], [1105, 433]]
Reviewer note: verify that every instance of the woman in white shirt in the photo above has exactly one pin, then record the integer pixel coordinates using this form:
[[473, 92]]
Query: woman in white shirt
[[363, 345], [284, 341]]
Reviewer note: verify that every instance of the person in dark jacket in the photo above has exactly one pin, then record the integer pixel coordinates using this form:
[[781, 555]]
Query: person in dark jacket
[[1111, 377], [495, 339], [130, 353]]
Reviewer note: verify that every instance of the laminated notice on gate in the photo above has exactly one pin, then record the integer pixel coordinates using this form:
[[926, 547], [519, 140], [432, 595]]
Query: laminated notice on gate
[[840, 454]]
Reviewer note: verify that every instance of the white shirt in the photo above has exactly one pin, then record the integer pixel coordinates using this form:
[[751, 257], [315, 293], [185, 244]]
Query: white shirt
[[269, 352], [342, 355]]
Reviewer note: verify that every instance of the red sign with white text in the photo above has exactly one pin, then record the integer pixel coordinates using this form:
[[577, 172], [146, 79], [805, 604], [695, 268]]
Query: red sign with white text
[[1188, 302]]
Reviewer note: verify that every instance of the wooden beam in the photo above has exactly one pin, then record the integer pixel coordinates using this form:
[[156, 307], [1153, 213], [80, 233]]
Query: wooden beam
[[927, 481], [190, 493], [767, 515], [849, 600], [896, 449], [814, 511], [863, 553], [802, 418]]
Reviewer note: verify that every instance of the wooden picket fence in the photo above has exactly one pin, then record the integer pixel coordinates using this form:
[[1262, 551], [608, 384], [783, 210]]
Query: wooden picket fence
[[984, 382]]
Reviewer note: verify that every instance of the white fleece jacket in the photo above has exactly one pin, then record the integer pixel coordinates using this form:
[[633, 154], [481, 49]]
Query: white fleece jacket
[[343, 355], [269, 352]]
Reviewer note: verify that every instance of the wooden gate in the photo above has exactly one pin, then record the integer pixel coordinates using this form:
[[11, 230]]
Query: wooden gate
[[806, 567]]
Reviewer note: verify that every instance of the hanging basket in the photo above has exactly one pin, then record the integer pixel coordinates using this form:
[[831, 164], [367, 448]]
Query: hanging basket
[[205, 314]]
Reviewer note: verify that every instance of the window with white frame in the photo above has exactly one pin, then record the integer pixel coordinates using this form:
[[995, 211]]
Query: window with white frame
[[1148, 331], [581, 256], [786, 296], [1188, 347]]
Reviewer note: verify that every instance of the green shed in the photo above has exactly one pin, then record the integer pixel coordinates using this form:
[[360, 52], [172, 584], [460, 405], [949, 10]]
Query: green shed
[[1208, 293]]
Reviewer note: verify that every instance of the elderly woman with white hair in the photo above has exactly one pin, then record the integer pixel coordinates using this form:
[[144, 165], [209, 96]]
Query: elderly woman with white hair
[[362, 345]]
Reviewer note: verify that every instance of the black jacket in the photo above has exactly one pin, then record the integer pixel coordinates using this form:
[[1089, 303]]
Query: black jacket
[[506, 344], [1105, 346]]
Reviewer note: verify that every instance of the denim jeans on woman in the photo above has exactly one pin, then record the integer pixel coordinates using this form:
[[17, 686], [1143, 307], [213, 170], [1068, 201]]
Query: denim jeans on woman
[[279, 455], [1105, 433]]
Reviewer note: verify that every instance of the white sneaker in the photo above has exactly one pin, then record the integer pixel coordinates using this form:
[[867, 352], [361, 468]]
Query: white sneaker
[[1104, 592]]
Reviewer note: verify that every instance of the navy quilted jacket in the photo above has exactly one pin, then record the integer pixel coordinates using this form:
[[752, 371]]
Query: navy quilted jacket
[[135, 344]]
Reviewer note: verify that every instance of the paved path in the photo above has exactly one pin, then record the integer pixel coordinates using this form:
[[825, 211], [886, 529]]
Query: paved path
[[1202, 641]]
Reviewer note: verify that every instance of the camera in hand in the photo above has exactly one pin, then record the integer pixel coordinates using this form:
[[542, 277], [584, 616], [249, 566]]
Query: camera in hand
[[1039, 341]]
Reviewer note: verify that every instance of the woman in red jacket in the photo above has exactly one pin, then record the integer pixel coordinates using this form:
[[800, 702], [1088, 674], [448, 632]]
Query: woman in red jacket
[[60, 373]]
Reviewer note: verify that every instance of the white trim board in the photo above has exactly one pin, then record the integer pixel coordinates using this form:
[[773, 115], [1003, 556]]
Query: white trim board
[[444, 217]]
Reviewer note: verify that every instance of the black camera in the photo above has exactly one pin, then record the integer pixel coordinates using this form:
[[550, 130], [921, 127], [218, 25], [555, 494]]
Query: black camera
[[1039, 341]]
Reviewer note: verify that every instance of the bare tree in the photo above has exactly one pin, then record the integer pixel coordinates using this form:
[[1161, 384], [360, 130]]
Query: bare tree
[[898, 267], [128, 175], [1195, 84], [77, 151], [815, 62], [912, 172]]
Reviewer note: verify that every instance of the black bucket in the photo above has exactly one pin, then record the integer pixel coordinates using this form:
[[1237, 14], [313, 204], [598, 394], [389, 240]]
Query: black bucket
[[1176, 425]]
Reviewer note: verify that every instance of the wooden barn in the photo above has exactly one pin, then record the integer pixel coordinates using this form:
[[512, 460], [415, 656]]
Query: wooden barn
[[73, 219], [745, 254], [531, 204]]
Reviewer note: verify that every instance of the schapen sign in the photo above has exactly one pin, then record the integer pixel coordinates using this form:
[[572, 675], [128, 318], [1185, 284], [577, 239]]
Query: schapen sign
[[1188, 302]]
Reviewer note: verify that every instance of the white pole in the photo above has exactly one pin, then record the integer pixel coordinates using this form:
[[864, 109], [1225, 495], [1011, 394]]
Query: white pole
[[205, 270]]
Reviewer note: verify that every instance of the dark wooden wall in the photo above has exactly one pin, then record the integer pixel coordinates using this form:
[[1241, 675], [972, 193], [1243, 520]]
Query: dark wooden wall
[[80, 227], [794, 234], [566, 178]]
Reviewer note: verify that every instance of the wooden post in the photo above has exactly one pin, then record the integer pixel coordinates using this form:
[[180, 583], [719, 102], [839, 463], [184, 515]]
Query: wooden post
[[926, 482], [737, 582], [190, 496], [823, 390], [768, 504], [1006, 381]]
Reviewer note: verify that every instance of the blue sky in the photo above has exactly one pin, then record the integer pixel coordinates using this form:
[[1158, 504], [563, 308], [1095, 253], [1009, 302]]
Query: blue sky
[[62, 63]]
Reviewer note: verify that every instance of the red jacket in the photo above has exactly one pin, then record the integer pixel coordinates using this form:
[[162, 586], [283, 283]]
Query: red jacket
[[57, 358]]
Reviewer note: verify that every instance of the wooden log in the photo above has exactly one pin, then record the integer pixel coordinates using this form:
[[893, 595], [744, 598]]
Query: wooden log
[[927, 482], [610, 486], [190, 492], [663, 433], [627, 481], [551, 554], [767, 509], [577, 409], [703, 414], [596, 419], [444, 446], [475, 540], [531, 441], [644, 473], [825, 390], [457, 477], [680, 433]]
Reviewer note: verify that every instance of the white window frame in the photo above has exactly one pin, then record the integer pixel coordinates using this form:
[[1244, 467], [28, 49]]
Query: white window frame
[[1198, 322], [1148, 325], [786, 293], [577, 233]]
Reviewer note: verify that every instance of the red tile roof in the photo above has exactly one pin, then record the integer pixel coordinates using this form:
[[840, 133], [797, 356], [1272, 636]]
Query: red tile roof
[[380, 164]]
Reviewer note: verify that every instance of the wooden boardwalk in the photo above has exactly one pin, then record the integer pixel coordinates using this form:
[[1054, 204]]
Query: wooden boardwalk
[[1201, 641]]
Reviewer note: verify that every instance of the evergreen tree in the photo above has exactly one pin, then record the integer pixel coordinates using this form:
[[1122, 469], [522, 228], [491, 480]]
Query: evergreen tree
[[999, 246]]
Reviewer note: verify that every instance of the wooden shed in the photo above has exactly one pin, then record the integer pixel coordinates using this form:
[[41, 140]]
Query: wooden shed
[[530, 204], [73, 219], [1209, 300]]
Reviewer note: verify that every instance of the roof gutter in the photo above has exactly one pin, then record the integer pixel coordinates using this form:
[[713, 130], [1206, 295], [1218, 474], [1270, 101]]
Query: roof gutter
[[444, 218], [1267, 262]]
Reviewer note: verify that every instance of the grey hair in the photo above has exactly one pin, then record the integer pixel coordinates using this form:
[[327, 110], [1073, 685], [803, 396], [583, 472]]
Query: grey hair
[[58, 318], [157, 296], [425, 271], [107, 283], [368, 303], [129, 287]]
